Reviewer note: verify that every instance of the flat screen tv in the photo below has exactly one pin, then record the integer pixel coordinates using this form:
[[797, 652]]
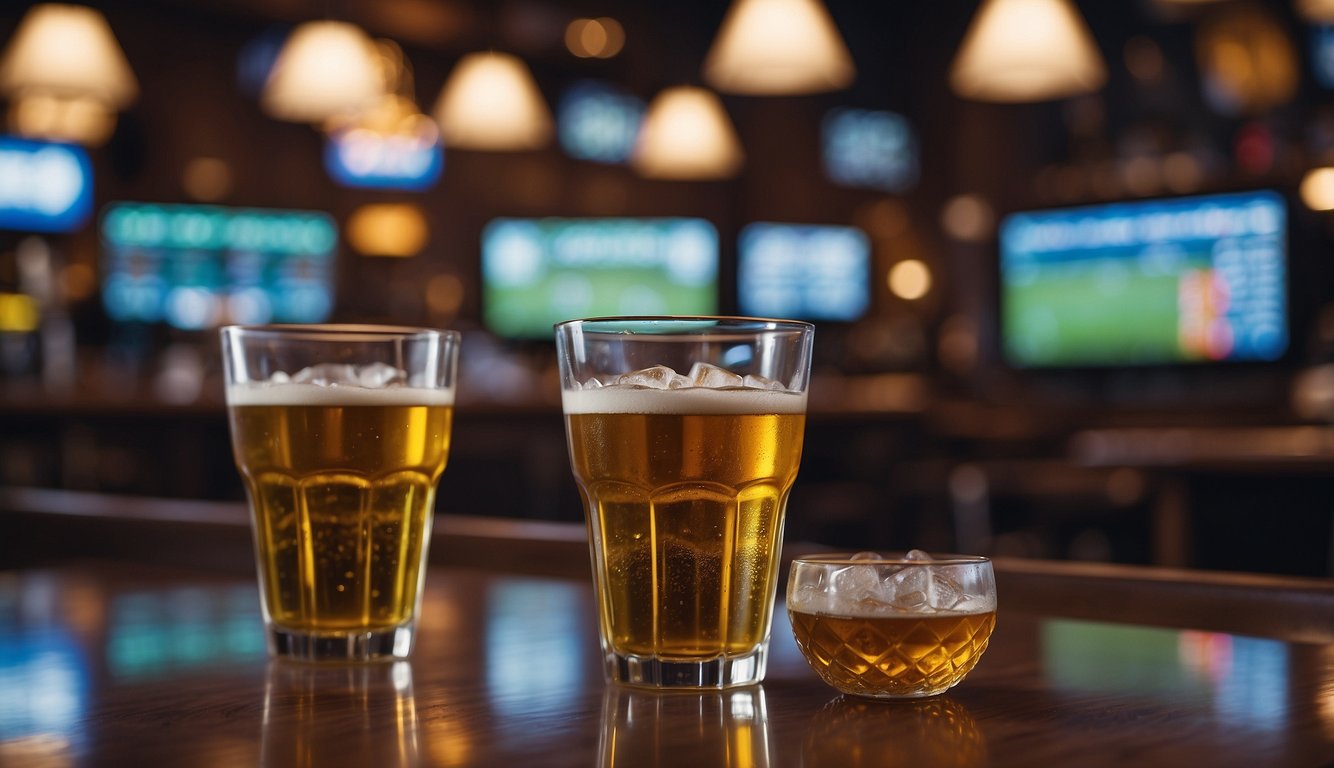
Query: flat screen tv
[[803, 271], [195, 267], [1158, 282], [537, 272]]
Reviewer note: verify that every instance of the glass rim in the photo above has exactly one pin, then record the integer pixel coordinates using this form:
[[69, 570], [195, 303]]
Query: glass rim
[[661, 326], [892, 558], [340, 332]]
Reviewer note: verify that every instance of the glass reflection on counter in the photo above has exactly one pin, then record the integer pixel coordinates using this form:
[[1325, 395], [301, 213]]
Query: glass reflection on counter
[[644, 729], [849, 732], [534, 648], [44, 675], [45, 682], [362, 714], [1325, 698], [152, 633], [1245, 679]]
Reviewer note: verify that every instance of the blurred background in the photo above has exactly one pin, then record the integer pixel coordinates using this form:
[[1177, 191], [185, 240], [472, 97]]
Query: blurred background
[[1069, 262]]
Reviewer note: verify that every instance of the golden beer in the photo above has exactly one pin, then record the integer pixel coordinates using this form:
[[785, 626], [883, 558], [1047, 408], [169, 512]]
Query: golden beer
[[893, 654], [341, 484], [651, 729], [685, 492]]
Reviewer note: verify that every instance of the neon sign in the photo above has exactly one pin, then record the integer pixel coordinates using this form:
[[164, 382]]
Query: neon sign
[[364, 158], [44, 187]]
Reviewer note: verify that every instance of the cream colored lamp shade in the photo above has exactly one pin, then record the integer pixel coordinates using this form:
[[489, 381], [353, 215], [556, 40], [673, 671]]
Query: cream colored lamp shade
[[773, 47], [1319, 11], [325, 70], [1027, 50], [67, 52], [686, 134], [81, 120], [491, 102]]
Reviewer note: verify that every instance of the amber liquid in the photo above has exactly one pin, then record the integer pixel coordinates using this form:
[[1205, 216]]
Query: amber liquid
[[647, 729], [342, 497], [686, 518], [893, 656]]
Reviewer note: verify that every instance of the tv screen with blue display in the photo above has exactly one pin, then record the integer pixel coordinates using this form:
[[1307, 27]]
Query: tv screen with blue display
[[869, 148], [195, 267], [803, 271], [599, 122], [537, 272], [1180, 281]]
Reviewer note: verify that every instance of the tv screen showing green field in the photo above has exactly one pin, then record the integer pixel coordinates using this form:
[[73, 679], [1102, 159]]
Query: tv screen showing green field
[[1188, 280], [536, 272]]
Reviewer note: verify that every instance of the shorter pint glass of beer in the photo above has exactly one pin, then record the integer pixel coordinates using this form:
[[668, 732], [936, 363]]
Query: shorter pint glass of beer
[[896, 627], [340, 434], [685, 436]]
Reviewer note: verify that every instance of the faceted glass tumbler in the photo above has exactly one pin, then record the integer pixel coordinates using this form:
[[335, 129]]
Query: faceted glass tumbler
[[894, 627]]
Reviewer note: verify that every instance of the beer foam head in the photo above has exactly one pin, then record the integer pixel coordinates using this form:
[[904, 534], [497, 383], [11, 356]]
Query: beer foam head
[[290, 393], [687, 400]]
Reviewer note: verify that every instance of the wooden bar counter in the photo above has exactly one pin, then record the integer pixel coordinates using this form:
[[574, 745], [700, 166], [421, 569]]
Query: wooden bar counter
[[109, 662]]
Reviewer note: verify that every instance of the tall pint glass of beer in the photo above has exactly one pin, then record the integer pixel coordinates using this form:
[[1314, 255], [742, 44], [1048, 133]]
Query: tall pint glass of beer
[[685, 436], [340, 434]]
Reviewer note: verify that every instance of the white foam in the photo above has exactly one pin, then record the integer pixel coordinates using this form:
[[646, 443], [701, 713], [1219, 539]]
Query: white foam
[[259, 393], [689, 400]]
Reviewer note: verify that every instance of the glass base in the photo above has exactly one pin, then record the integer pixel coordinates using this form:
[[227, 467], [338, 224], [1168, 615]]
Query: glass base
[[924, 693], [719, 672], [375, 645]]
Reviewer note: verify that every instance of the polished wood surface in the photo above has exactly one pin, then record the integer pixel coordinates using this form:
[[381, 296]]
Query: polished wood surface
[[106, 663]]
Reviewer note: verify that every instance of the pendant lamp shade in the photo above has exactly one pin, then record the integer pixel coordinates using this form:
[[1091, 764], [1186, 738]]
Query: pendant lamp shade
[[325, 70], [491, 102], [686, 135], [1319, 11], [1027, 50], [67, 52], [773, 47], [80, 120]]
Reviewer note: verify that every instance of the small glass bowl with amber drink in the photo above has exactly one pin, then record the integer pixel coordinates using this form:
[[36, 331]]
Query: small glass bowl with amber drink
[[895, 627]]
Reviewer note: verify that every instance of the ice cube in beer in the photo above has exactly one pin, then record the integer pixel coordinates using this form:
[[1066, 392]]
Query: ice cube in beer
[[910, 587], [751, 381], [855, 584], [657, 377], [943, 593], [326, 374], [713, 377], [378, 375]]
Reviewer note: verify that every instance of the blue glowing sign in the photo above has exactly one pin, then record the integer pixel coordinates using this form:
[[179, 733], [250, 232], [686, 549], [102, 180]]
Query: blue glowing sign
[[363, 158], [870, 148], [598, 122], [812, 272], [196, 267], [1322, 55], [44, 187]]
